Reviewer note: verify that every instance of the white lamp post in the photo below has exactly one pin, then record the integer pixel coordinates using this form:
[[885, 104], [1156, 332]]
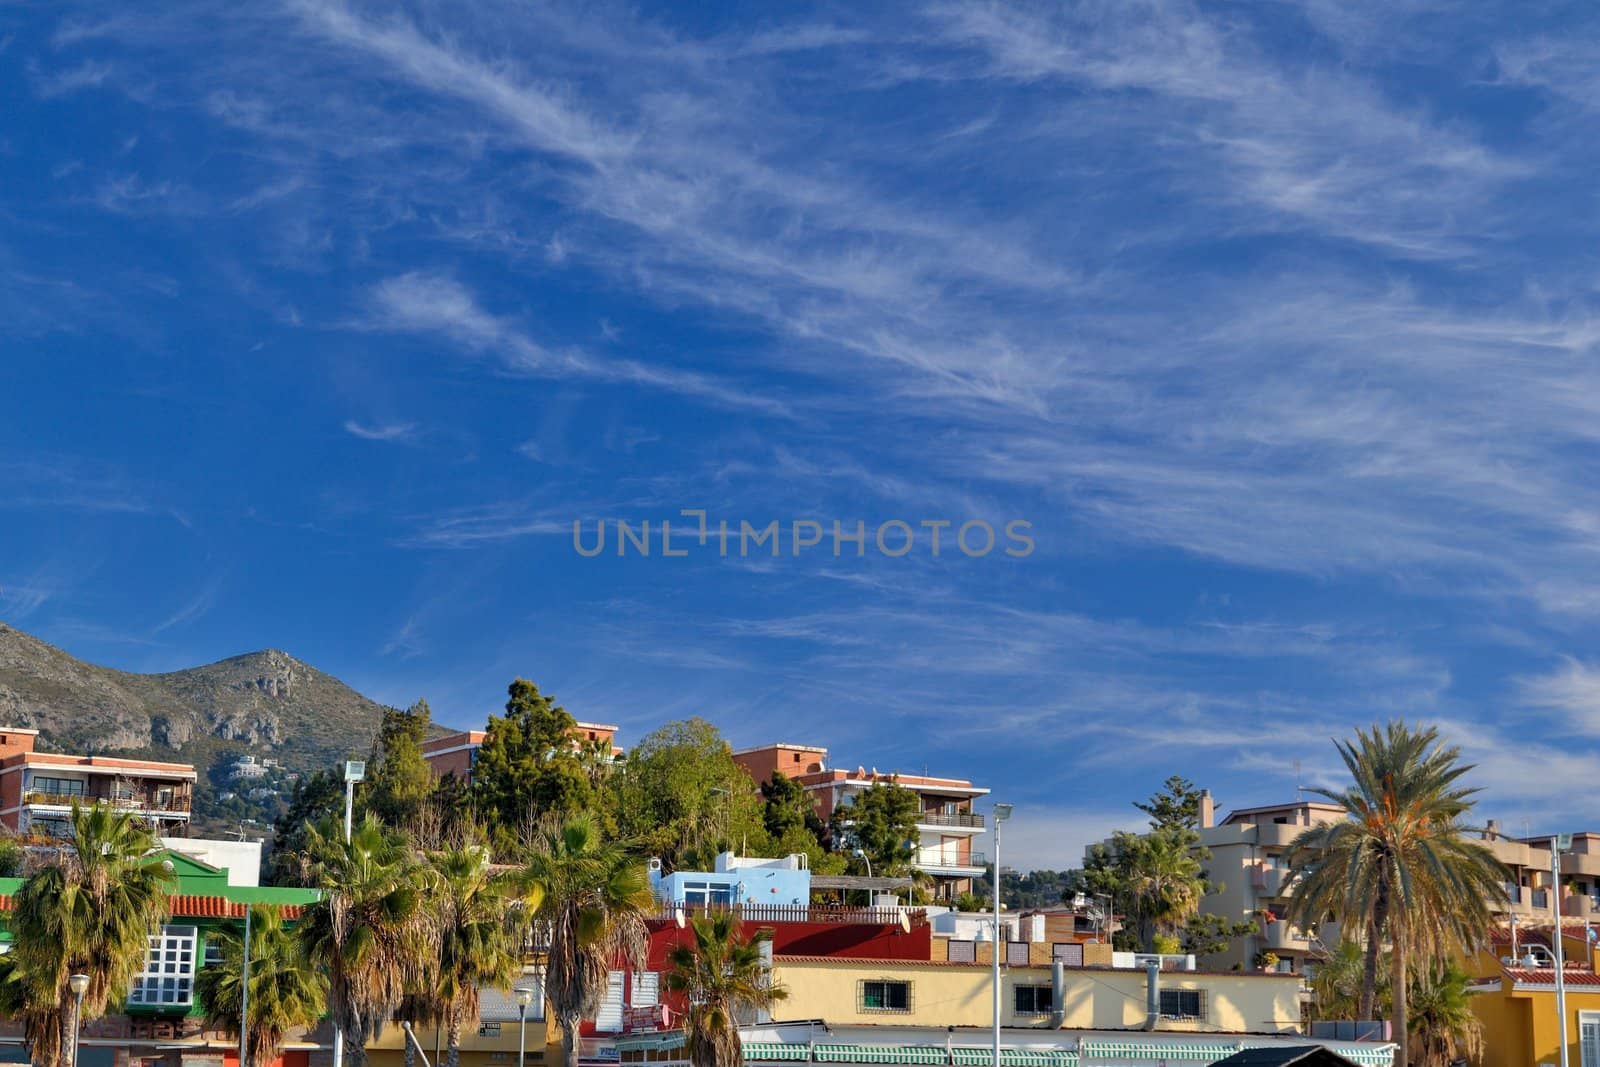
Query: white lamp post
[[524, 998], [1002, 812], [1558, 844], [354, 771], [79, 984]]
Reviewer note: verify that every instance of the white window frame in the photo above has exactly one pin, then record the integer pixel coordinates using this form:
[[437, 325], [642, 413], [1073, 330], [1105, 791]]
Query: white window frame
[[170, 962], [1588, 1046]]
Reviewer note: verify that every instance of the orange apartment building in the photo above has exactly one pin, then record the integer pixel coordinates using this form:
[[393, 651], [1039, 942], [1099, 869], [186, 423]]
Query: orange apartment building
[[457, 753], [38, 789], [946, 825]]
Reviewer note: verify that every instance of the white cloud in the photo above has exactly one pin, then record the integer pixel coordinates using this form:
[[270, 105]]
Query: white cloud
[[393, 431]]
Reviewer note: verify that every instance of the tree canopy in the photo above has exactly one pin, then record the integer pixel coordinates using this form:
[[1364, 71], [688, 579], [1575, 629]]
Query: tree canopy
[[529, 766]]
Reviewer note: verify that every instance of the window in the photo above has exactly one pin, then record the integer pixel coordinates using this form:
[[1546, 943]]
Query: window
[[885, 996], [1589, 1038], [608, 1020], [1183, 1003], [1033, 999], [707, 894], [61, 787], [213, 955], [646, 989], [168, 977]]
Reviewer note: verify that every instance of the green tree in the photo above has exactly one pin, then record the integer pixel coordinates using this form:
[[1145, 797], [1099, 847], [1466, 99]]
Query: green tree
[[1442, 1025], [475, 916], [1401, 866], [529, 766], [595, 897], [315, 797], [369, 933], [1176, 807], [13, 859], [286, 990], [721, 976], [1164, 880], [1336, 987], [1208, 935], [682, 797], [787, 807], [91, 913], [399, 780], [882, 822]]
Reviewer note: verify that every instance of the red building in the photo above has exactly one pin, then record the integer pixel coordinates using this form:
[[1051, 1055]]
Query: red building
[[38, 789]]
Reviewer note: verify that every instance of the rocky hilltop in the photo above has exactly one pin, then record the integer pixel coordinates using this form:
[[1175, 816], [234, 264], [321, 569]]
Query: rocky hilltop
[[268, 703]]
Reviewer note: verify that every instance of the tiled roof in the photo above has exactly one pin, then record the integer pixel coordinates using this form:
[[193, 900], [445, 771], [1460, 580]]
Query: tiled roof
[[185, 906], [1536, 935], [1547, 976]]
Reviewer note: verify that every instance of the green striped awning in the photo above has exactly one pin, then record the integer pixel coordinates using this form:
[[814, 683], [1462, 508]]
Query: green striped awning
[[881, 1054], [1193, 1052], [968, 1056], [652, 1040], [775, 1052]]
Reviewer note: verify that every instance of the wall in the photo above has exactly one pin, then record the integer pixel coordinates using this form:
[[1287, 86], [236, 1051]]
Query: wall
[[544, 1046], [959, 995], [241, 859]]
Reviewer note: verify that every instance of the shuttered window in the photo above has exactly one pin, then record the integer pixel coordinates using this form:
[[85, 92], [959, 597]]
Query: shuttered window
[[608, 1020]]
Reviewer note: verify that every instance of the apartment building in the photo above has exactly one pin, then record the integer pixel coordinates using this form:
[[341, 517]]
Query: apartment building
[[38, 789], [946, 825], [457, 753]]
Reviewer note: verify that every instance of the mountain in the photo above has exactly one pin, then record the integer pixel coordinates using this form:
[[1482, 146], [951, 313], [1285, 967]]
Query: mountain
[[268, 704]]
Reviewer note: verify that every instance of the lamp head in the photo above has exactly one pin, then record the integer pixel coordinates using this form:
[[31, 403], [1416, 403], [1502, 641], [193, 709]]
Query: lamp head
[[1002, 812], [79, 984], [524, 996], [1563, 842]]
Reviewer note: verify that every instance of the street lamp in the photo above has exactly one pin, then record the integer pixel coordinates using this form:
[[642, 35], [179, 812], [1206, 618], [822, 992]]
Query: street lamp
[[1558, 844], [1002, 812], [79, 984], [868, 861], [524, 997]]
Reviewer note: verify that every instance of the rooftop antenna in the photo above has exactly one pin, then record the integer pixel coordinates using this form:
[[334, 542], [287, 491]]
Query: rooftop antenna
[[1297, 787]]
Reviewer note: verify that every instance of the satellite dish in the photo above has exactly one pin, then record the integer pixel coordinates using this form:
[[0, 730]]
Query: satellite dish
[[905, 923]]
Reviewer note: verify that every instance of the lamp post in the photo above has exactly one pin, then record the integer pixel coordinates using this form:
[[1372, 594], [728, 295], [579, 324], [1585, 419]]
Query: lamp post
[[244, 996], [1002, 812], [79, 984], [1558, 844], [354, 771], [524, 997], [868, 861]]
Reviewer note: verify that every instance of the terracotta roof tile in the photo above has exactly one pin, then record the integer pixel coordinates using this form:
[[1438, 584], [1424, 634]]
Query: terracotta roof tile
[[1547, 976], [188, 906]]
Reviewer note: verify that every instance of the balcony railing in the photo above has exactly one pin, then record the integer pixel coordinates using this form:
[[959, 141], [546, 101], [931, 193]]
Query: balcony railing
[[962, 819], [798, 913], [121, 803], [938, 861]]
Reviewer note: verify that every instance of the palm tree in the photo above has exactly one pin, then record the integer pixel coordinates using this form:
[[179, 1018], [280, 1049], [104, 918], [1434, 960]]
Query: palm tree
[[1164, 881], [720, 975], [369, 932], [92, 912], [1400, 867], [1443, 1025], [286, 990], [1336, 987], [596, 894], [480, 941]]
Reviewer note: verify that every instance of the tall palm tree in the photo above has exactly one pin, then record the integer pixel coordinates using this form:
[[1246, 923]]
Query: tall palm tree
[[92, 912], [596, 894], [1164, 881], [1443, 1025], [480, 941], [720, 974], [369, 931], [1400, 867], [286, 989]]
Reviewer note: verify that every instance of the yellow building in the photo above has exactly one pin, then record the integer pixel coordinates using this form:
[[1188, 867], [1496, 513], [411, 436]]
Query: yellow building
[[490, 1042], [1520, 1025], [901, 993]]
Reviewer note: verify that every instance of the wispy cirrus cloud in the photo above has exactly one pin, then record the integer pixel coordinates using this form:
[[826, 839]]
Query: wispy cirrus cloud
[[387, 431]]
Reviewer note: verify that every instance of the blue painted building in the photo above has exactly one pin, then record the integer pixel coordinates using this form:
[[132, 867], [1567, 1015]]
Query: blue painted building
[[736, 880]]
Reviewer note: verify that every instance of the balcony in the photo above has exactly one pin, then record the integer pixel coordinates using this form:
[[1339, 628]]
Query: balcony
[[964, 820], [135, 802], [1283, 935], [951, 863]]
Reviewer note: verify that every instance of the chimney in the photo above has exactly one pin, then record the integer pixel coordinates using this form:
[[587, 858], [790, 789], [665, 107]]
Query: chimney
[[1152, 992], [1208, 810], [1491, 829]]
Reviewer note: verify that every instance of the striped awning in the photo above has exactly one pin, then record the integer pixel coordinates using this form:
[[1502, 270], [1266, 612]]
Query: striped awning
[[881, 1054], [967, 1056], [650, 1040], [1193, 1052], [775, 1052]]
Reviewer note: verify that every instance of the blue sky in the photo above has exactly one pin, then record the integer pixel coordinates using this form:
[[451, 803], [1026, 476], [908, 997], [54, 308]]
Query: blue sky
[[322, 322]]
